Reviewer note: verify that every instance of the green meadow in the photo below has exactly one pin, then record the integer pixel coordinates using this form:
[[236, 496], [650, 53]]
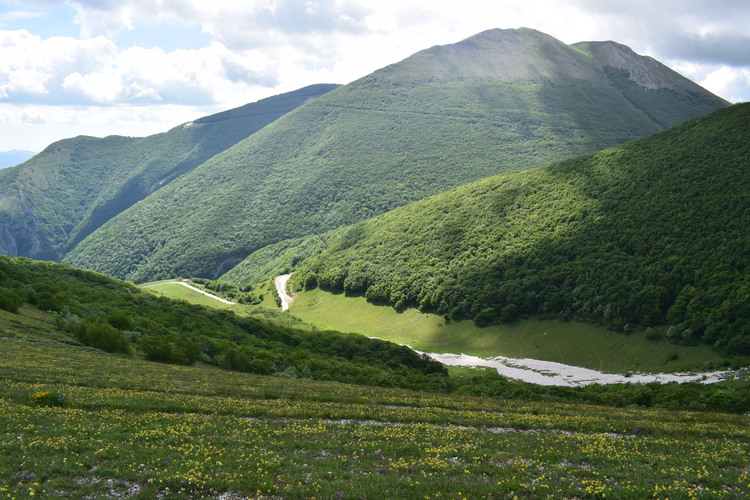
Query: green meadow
[[573, 343], [76, 422], [169, 288]]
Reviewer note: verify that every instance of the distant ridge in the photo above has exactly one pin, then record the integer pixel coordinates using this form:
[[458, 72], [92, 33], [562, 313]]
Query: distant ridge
[[14, 157], [499, 101], [67, 191]]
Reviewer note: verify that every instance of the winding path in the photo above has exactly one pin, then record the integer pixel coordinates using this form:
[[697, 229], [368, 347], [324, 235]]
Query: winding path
[[195, 289], [286, 299]]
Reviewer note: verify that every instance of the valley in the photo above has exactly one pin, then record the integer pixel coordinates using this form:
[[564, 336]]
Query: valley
[[506, 267]]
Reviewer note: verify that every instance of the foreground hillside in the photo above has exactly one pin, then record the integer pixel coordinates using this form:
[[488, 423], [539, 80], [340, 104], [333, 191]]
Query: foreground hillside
[[501, 100], [87, 308], [86, 424], [653, 232], [57, 198], [41, 301]]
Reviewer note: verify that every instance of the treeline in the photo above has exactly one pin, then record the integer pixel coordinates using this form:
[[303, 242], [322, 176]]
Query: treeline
[[653, 232], [730, 396], [118, 317]]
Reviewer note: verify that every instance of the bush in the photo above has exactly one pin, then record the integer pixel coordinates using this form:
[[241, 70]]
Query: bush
[[171, 349], [67, 321], [9, 301], [48, 398], [103, 336], [485, 317], [47, 302]]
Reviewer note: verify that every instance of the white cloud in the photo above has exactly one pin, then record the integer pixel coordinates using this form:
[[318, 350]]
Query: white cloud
[[94, 71], [732, 83], [256, 48], [33, 127]]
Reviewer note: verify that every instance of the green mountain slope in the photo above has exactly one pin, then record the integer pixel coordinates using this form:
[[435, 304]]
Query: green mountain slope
[[652, 232], [54, 200], [499, 101]]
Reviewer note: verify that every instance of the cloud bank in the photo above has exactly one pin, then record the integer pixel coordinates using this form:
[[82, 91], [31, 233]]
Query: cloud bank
[[97, 61]]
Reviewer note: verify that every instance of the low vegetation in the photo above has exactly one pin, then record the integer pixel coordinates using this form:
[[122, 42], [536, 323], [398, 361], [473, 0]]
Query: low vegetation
[[128, 428]]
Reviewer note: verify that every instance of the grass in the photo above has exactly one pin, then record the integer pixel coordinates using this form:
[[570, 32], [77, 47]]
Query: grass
[[572, 343], [578, 344], [133, 429], [169, 288], [174, 290]]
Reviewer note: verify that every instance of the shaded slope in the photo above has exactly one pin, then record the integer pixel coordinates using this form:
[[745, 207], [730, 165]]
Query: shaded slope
[[54, 200], [648, 233], [501, 100]]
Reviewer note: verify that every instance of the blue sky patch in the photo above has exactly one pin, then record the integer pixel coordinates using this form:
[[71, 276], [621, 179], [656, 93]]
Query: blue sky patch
[[166, 37], [44, 23]]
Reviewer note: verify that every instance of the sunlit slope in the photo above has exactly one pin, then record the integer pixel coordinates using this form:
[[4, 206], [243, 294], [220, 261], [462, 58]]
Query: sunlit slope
[[653, 232], [569, 342], [51, 202], [501, 100]]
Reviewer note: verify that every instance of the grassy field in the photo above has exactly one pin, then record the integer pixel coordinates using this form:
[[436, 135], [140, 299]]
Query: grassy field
[[578, 344], [174, 290], [76, 422]]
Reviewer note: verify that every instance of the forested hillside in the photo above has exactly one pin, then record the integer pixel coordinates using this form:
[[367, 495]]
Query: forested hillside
[[115, 316], [499, 101], [51, 202], [653, 232]]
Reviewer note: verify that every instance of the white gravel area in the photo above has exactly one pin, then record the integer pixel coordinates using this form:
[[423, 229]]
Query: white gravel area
[[551, 373]]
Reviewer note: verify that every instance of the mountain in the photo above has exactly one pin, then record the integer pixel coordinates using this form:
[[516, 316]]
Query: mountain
[[652, 232], [14, 157], [58, 197], [499, 101]]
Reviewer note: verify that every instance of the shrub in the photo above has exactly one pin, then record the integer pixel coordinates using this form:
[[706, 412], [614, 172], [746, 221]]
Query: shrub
[[47, 302], [171, 349], [9, 301], [485, 316], [103, 336], [67, 321], [48, 398]]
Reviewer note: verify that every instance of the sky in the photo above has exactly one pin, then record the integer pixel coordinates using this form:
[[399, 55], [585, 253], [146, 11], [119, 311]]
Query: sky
[[135, 68]]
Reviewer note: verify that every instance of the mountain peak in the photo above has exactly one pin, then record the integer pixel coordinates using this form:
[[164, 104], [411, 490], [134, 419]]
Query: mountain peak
[[522, 54]]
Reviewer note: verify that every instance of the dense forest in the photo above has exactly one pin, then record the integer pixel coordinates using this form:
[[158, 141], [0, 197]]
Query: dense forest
[[653, 232]]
